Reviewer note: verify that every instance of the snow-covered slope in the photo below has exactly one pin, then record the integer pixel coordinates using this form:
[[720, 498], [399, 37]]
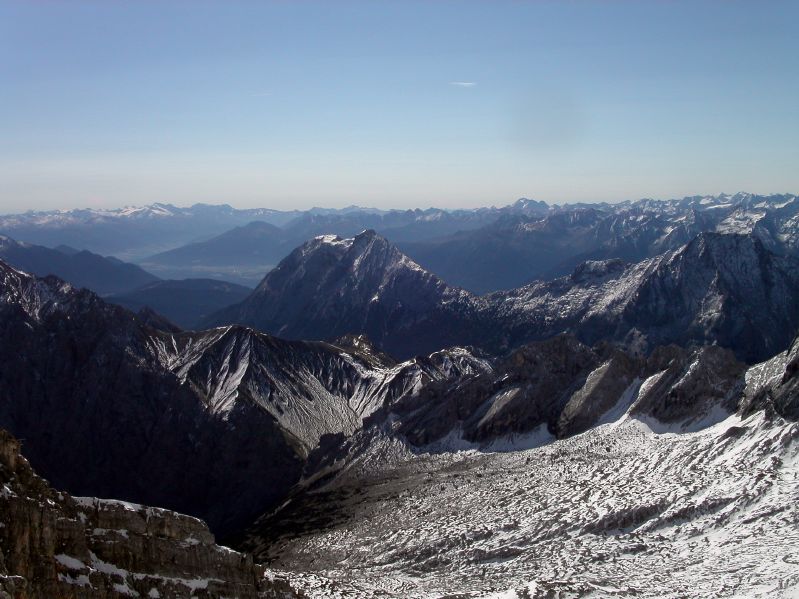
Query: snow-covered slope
[[725, 289], [704, 504], [309, 389]]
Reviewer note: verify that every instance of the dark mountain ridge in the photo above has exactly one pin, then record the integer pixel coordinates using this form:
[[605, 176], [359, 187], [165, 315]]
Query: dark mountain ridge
[[725, 289], [104, 275], [215, 424]]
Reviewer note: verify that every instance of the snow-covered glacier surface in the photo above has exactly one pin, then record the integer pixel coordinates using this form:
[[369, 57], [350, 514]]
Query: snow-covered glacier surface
[[621, 510]]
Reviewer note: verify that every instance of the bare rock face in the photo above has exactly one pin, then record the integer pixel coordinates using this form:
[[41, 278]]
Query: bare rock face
[[773, 385], [54, 545], [690, 385], [528, 389], [570, 388], [601, 390]]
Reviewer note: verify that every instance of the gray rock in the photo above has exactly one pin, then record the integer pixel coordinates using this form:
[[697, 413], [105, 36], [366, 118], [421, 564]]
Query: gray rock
[[53, 545]]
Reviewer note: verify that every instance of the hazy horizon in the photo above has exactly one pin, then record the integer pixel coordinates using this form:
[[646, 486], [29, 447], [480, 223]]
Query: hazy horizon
[[393, 104], [363, 206]]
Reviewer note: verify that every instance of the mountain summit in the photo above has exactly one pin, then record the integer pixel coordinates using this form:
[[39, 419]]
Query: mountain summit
[[718, 288], [329, 287]]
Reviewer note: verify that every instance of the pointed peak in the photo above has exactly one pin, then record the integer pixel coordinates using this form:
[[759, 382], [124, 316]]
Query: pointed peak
[[367, 234]]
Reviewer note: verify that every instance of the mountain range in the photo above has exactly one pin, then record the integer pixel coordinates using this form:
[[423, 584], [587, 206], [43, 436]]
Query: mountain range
[[132, 231], [721, 288], [482, 250], [367, 428], [104, 275], [517, 249], [139, 232], [214, 423], [487, 250]]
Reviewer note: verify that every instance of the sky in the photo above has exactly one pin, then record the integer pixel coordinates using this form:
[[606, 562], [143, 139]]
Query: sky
[[294, 104]]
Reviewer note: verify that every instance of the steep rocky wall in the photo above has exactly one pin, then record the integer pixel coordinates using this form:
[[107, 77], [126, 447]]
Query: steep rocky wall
[[56, 546]]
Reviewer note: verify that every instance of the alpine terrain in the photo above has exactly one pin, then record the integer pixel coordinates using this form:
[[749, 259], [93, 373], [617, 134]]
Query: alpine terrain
[[712, 289], [360, 427]]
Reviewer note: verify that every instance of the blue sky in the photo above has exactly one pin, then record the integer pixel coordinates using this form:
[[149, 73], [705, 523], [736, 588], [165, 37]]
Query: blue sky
[[394, 103]]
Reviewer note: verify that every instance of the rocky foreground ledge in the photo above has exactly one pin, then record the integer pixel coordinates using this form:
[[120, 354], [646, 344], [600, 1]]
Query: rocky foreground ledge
[[53, 545]]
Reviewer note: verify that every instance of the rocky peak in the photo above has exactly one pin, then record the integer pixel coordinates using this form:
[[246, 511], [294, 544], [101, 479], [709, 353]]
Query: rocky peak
[[528, 206], [330, 287], [719, 247]]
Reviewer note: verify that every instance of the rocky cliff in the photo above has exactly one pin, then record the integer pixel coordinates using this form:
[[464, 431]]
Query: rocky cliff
[[53, 545]]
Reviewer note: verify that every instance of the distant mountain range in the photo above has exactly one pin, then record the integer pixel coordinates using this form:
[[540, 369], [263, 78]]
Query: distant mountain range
[[245, 253], [138, 232], [717, 288], [481, 250], [131, 232], [517, 249], [104, 275]]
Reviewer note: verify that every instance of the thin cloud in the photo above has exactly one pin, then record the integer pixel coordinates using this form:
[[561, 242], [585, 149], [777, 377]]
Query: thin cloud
[[463, 83]]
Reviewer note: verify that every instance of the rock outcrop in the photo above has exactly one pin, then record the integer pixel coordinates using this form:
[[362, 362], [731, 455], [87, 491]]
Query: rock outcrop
[[569, 387], [54, 545]]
